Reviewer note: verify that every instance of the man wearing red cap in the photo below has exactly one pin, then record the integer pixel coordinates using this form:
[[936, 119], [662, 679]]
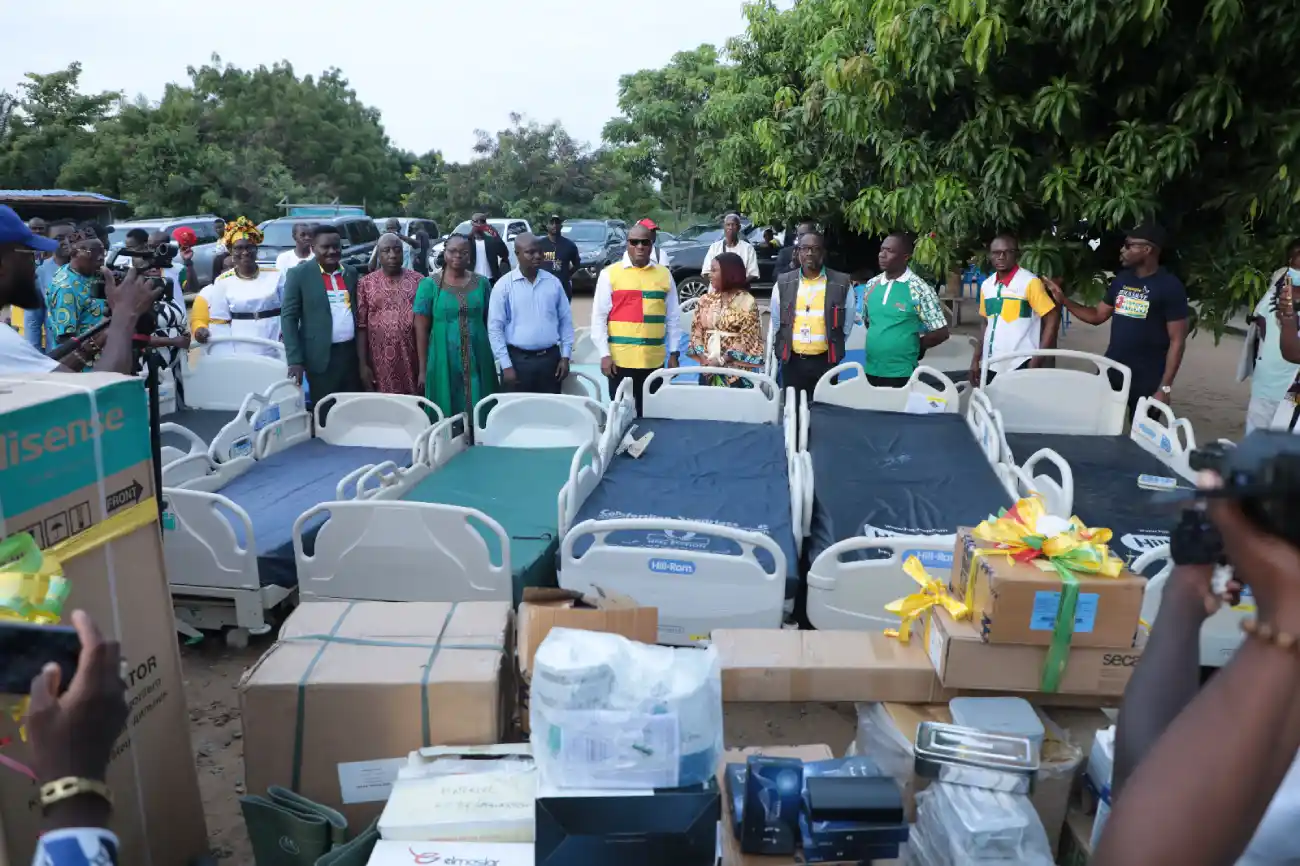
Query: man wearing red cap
[[657, 256]]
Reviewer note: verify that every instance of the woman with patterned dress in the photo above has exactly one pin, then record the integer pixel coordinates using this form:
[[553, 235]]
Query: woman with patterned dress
[[241, 302], [726, 331], [456, 364], [386, 322]]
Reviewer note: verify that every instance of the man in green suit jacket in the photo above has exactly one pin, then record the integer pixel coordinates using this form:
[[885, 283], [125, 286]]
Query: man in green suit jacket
[[318, 319]]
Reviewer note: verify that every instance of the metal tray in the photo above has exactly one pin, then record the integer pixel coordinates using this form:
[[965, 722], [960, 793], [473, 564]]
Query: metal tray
[[966, 756]]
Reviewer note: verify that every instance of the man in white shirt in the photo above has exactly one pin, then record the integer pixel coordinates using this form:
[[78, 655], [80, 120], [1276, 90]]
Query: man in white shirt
[[18, 287], [301, 252], [635, 319], [732, 243]]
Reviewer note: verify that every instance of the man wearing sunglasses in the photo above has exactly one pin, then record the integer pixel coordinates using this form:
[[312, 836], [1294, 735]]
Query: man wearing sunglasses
[[1148, 304], [635, 320]]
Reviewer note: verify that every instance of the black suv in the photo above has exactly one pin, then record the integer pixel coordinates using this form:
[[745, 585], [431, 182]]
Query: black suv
[[357, 231]]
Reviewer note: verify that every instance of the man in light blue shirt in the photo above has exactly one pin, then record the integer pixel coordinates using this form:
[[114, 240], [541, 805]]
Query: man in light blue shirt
[[34, 320], [530, 325]]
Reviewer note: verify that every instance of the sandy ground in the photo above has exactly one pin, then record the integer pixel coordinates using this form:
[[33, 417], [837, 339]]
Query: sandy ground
[[1206, 392]]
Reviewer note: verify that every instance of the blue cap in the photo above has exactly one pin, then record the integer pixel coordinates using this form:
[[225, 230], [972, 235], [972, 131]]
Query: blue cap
[[14, 231]]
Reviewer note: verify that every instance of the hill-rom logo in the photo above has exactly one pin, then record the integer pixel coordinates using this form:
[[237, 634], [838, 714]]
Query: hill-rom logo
[[679, 535], [672, 566]]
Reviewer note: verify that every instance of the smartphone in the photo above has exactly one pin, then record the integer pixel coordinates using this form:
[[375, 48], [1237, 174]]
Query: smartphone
[[26, 648]]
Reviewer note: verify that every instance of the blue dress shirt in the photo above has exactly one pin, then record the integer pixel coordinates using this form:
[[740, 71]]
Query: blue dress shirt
[[34, 320], [528, 315]]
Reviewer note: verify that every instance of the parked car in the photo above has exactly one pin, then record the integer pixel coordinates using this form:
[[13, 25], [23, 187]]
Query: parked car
[[358, 233], [599, 243], [509, 229], [205, 229], [686, 260]]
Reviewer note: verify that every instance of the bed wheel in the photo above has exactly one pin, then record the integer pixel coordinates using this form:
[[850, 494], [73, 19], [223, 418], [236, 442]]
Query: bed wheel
[[237, 638]]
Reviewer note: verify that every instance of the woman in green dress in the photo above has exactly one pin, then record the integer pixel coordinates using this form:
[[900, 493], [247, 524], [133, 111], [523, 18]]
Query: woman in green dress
[[456, 364]]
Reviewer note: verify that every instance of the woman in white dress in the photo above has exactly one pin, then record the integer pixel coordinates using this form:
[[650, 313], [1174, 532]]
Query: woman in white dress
[[242, 302]]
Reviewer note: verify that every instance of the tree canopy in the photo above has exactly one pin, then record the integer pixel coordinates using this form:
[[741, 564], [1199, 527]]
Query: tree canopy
[[1065, 122]]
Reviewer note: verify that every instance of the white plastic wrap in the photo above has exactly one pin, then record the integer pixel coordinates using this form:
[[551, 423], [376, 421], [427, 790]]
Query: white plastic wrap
[[607, 712], [972, 827]]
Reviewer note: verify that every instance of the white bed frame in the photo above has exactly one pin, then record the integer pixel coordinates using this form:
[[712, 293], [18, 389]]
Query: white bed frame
[[208, 570], [223, 381], [234, 442], [695, 592], [852, 594], [376, 547], [1030, 399]]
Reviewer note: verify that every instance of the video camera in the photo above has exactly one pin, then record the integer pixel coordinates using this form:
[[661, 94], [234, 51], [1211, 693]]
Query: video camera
[[1263, 474]]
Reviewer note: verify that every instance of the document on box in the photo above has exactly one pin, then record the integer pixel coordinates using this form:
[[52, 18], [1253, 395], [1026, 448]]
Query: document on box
[[368, 781]]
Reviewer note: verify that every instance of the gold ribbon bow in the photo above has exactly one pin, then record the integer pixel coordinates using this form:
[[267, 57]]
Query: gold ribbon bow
[[32, 586], [910, 608]]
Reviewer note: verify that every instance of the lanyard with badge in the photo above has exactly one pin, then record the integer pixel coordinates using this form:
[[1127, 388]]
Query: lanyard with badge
[[805, 329]]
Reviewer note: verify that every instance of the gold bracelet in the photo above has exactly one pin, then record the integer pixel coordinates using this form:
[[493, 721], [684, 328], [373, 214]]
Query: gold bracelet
[[1266, 633], [73, 786]]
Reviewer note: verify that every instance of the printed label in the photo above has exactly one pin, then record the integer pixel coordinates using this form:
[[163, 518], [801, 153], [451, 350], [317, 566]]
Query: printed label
[[269, 415], [935, 646], [597, 745], [1143, 543], [932, 560], [1043, 617], [241, 447], [368, 781], [672, 566]]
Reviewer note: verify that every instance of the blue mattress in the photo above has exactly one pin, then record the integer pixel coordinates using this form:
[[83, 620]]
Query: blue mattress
[[281, 487], [1106, 469], [721, 472], [883, 474]]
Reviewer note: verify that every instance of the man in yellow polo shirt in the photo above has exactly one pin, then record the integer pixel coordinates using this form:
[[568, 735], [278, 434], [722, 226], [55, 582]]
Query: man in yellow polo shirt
[[635, 321], [810, 316]]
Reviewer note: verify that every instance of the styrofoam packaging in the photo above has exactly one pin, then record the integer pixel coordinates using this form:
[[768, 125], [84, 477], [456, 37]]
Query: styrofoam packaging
[[1013, 717]]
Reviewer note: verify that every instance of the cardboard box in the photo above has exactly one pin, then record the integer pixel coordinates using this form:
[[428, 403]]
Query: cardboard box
[[544, 609], [769, 665], [964, 661], [350, 688], [75, 456], [468, 853], [1017, 602]]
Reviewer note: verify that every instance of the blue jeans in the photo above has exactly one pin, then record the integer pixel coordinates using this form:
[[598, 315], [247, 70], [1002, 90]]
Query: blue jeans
[[34, 326]]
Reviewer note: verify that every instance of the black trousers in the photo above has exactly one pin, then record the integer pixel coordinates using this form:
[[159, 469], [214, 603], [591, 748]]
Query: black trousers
[[638, 378], [802, 372], [1137, 388], [342, 375], [888, 381], [535, 369]]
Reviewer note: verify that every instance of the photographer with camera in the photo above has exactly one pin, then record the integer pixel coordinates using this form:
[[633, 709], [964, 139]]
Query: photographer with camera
[[1208, 775], [18, 286]]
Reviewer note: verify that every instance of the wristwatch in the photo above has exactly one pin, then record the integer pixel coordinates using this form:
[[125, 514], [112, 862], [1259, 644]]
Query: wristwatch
[[1166, 389]]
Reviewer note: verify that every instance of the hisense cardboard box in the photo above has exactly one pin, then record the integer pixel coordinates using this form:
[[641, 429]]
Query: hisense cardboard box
[[351, 688], [1017, 602], [781, 665], [964, 661], [75, 460]]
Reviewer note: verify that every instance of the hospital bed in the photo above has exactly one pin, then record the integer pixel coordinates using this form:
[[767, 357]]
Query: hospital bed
[[896, 472], [474, 522], [703, 525], [1088, 431], [228, 536]]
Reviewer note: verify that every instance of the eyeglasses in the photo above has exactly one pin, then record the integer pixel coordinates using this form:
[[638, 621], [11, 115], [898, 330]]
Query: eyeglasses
[[639, 242], [996, 254]]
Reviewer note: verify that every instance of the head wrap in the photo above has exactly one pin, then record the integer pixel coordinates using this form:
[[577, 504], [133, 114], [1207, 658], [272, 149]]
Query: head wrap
[[239, 230], [185, 236]]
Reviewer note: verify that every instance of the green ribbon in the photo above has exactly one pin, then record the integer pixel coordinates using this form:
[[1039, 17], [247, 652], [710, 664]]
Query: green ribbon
[[1058, 652]]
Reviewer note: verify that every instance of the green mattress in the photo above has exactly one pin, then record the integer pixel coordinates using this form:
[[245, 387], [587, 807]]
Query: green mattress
[[516, 487]]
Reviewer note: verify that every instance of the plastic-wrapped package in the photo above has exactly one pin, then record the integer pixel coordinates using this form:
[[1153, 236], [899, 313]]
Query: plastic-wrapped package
[[607, 712], [880, 739], [966, 825]]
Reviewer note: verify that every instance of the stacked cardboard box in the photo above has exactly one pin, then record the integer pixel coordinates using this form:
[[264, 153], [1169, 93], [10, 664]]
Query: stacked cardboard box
[[76, 474]]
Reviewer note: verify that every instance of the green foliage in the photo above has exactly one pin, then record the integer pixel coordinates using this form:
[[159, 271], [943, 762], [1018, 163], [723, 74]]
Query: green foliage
[[527, 170], [1063, 121], [50, 121], [661, 135]]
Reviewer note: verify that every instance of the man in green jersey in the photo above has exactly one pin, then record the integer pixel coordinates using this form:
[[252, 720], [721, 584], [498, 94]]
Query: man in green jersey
[[902, 314]]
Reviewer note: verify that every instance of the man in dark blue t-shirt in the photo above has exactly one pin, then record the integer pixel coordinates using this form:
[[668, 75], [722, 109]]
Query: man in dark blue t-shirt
[[1147, 308], [559, 254]]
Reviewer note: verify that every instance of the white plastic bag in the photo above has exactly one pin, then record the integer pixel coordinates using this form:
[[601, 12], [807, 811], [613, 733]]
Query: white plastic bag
[[967, 826], [607, 712]]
